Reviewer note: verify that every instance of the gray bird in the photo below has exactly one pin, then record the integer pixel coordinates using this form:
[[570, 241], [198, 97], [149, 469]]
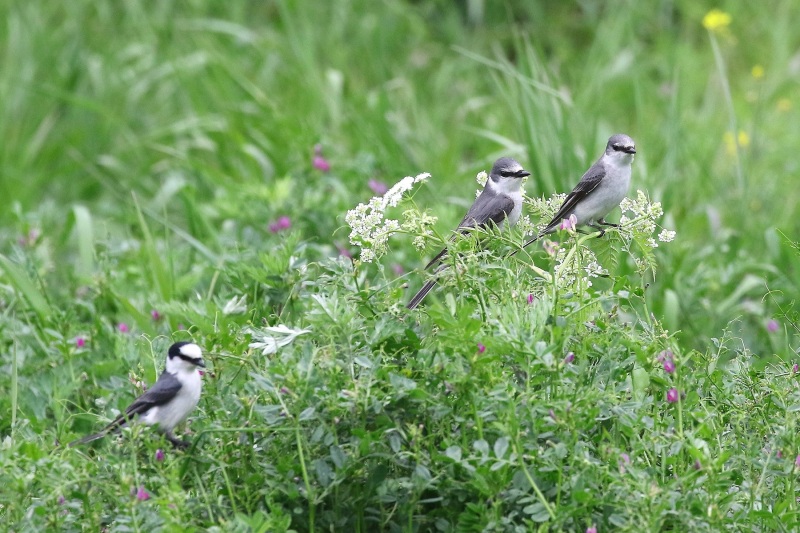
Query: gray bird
[[600, 190], [499, 201], [169, 401]]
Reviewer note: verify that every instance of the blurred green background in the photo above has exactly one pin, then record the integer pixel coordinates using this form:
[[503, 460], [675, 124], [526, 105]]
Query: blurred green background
[[208, 112]]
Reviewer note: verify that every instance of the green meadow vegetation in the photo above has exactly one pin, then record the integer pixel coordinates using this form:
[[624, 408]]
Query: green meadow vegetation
[[183, 170]]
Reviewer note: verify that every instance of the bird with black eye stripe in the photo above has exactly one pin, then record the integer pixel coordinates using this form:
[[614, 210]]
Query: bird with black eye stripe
[[600, 190], [500, 201], [169, 401]]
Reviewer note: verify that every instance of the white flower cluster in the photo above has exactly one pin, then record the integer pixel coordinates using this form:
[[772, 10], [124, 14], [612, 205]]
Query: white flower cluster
[[576, 269], [482, 177], [526, 226], [594, 270], [643, 217], [419, 224], [666, 235], [545, 209], [638, 224], [369, 229]]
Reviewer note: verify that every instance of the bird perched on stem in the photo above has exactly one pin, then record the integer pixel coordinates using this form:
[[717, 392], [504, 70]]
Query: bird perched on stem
[[171, 398], [600, 190], [500, 201]]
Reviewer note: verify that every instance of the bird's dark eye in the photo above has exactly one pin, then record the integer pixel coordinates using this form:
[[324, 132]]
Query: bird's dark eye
[[505, 173], [617, 147]]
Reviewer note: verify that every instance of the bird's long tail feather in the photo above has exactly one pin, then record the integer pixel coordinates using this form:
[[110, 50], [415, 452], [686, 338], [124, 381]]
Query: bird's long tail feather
[[88, 438], [515, 252], [118, 422], [423, 292]]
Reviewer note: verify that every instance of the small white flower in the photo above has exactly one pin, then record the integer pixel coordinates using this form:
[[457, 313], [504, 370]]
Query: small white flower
[[367, 255], [526, 226], [593, 269], [666, 235]]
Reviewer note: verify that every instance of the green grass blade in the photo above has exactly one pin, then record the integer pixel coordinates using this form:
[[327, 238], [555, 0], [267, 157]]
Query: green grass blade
[[25, 287], [157, 268], [84, 234]]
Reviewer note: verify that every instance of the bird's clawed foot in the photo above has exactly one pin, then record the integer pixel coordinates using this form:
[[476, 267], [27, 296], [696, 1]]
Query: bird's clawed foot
[[598, 228], [609, 224]]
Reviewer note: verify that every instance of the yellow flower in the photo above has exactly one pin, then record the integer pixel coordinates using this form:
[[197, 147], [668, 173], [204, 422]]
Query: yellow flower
[[716, 20], [742, 140], [784, 104], [757, 72]]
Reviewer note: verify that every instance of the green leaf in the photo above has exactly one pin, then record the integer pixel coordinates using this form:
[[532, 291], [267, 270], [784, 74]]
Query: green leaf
[[25, 287], [501, 447], [307, 414], [640, 381], [454, 453]]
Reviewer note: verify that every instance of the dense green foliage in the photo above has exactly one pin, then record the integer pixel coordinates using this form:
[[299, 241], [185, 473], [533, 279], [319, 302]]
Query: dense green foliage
[[150, 150]]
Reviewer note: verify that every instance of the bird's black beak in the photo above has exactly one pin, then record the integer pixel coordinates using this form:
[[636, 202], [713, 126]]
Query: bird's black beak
[[630, 150], [200, 363], [523, 173]]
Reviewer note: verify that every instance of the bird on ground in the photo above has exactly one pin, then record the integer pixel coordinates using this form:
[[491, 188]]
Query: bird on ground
[[169, 401], [499, 202]]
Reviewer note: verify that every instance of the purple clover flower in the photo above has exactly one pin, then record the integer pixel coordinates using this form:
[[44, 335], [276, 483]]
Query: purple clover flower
[[160, 455], [123, 327], [377, 186], [672, 395], [283, 223], [550, 247], [344, 250], [141, 494], [319, 162], [773, 326], [569, 224]]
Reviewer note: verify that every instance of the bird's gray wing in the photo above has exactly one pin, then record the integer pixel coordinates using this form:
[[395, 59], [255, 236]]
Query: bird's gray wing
[[487, 207], [495, 208], [589, 182], [162, 391]]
